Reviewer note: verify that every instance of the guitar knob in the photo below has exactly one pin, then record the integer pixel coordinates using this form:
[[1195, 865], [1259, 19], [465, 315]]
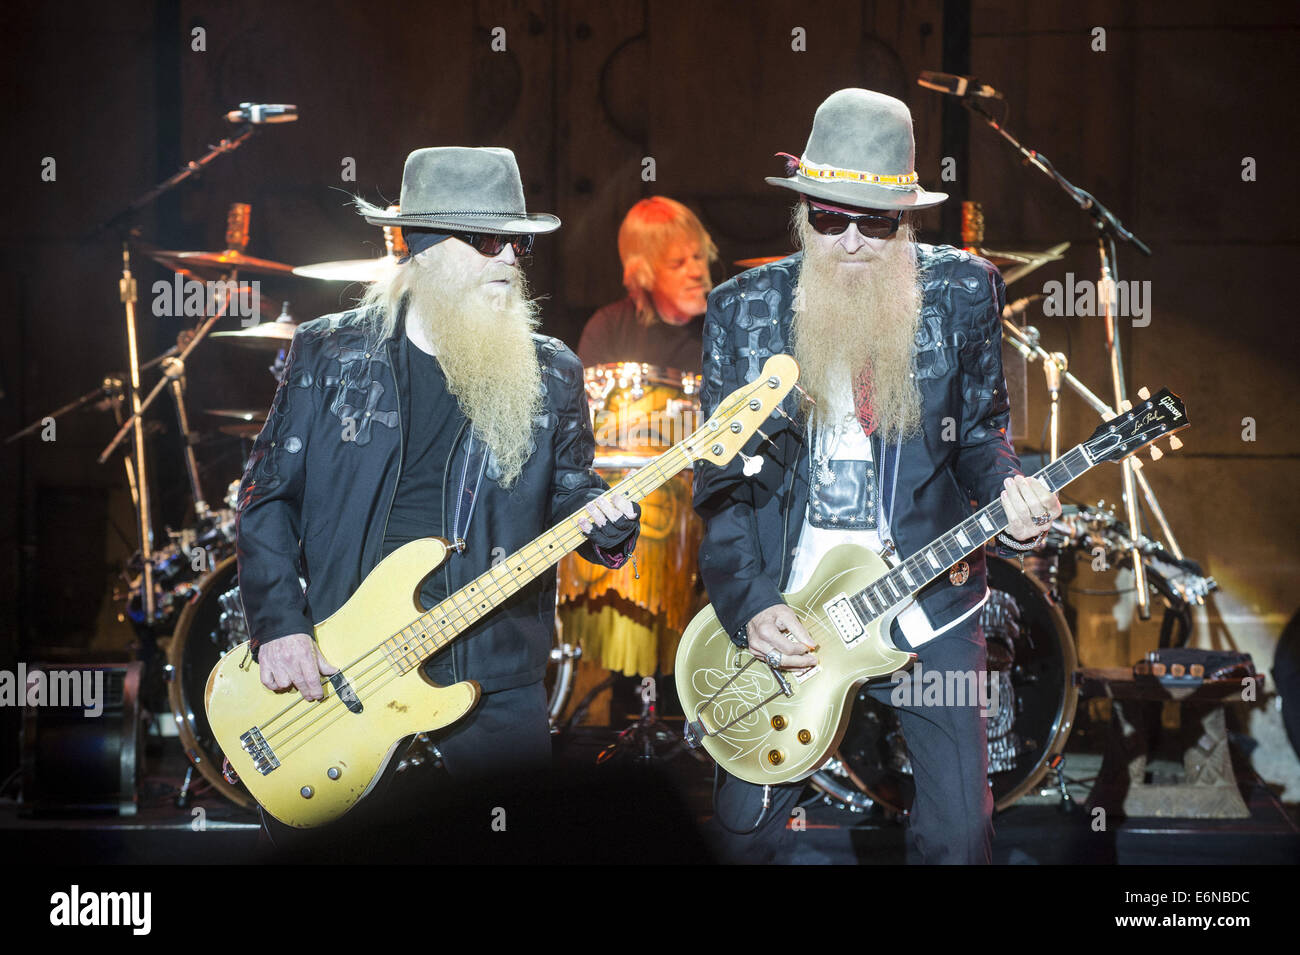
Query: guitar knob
[[805, 737], [775, 757]]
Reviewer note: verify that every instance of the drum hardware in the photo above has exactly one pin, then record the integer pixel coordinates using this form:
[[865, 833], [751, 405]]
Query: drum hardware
[[564, 658], [1109, 228], [644, 738]]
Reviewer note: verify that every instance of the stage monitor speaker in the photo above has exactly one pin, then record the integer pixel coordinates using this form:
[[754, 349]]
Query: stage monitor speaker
[[74, 762]]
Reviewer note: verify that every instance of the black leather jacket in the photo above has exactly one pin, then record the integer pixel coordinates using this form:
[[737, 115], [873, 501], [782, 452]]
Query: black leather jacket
[[753, 524], [320, 483]]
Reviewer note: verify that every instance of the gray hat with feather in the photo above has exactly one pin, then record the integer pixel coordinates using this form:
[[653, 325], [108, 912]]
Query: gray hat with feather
[[861, 152]]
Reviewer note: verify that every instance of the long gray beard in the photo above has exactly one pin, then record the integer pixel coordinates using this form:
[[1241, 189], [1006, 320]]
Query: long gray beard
[[483, 341], [845, 322]]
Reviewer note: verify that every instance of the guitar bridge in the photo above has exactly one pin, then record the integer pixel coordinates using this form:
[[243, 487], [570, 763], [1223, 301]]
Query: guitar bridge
[[256, 746]]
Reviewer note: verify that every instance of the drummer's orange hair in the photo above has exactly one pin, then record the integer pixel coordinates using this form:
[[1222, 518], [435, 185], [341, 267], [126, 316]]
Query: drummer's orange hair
[[648, 229]]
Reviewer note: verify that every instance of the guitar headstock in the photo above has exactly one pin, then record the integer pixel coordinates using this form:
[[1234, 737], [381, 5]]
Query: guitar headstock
[[742, 413], [1138, 426]]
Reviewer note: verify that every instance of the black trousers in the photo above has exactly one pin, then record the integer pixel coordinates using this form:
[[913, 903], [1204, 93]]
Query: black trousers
[[951, 816], [507, 733]]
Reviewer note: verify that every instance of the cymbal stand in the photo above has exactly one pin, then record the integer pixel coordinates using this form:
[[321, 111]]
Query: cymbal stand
[[1052, 368], [225, 283], [1025, 341], [174, 371], [128, 294], [1108, 227]]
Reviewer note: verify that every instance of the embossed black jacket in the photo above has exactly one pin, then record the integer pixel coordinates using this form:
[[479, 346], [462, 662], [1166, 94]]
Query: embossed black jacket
[[753, 524], [322, 475]]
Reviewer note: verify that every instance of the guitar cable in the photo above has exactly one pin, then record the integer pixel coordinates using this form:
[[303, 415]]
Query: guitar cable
[[767, 804]]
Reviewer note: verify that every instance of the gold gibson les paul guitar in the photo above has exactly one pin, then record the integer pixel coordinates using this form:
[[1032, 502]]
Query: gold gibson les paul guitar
[[309, 763], [772, 726]]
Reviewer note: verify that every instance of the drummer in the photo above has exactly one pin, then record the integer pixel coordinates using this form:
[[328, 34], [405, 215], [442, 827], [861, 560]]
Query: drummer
[[666, 255]]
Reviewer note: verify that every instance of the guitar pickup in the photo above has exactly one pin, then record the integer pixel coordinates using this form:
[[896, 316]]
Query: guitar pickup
[[846, 623], [345, 692]]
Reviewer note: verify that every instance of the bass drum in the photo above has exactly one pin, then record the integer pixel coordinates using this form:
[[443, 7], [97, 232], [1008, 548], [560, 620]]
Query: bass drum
[[210, 625], [1032, 654]]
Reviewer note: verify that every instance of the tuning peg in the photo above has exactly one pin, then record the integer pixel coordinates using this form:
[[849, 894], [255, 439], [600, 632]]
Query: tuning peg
[[1108, 415], [1143, 393], [1156, 453], [1126, 405], [1137, 463], [752, 465], [1174, 443]]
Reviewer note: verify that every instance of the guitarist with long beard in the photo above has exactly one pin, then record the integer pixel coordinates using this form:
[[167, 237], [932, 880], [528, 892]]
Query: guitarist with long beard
[[899, 347], [433, 409]]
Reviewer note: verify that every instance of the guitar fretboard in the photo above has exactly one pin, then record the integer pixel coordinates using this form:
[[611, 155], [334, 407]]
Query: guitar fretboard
[[928, 563], [436, 628]]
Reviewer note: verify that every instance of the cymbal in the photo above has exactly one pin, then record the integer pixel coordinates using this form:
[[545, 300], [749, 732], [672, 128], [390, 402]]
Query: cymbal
[[347, 270], [241, 430], [266, 335], [219, 262], [238, 414], [761, 260], [247, 423], [1016, 265]]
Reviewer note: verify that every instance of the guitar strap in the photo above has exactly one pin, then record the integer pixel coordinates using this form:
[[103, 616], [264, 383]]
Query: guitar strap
[[467, 497]]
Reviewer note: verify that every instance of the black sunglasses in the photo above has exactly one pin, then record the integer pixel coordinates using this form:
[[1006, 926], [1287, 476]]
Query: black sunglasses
[[491, 243], [870, 225]]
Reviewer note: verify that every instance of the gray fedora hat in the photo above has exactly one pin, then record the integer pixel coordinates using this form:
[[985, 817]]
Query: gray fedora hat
[[861, 152], [469, 188]]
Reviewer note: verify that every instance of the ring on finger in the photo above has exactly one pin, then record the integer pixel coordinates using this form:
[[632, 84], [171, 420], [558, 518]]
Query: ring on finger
[[1042, 520], [773, 658]]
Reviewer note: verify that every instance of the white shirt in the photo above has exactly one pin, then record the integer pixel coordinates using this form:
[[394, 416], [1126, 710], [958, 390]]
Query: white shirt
[[850, 443]]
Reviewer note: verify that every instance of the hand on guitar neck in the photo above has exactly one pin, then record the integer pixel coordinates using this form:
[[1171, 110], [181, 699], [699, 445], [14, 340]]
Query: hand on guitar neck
[[778, 629]]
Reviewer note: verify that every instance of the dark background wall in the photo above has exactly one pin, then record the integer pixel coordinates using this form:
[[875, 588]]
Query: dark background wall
[[1156, 125]]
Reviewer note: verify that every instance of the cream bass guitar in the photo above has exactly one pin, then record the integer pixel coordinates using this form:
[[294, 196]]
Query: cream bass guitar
[[308, 763], [766, 725]]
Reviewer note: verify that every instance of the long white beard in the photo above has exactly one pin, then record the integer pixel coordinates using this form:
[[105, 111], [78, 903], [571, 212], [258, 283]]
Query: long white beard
[[483, 340], [849, 320]]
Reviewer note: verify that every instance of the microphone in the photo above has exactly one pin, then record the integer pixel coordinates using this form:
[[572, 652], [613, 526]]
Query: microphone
[[954, 85], [263, 113]]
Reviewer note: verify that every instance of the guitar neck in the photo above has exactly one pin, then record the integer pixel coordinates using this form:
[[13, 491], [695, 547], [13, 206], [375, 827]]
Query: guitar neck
[[434, 629], [928, 563]]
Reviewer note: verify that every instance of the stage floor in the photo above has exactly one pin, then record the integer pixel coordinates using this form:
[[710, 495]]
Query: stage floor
[[1035, 831]]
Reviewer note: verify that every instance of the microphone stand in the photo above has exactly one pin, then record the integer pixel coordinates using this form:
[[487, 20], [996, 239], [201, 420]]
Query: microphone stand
[[1108, 227], [127, 294]]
